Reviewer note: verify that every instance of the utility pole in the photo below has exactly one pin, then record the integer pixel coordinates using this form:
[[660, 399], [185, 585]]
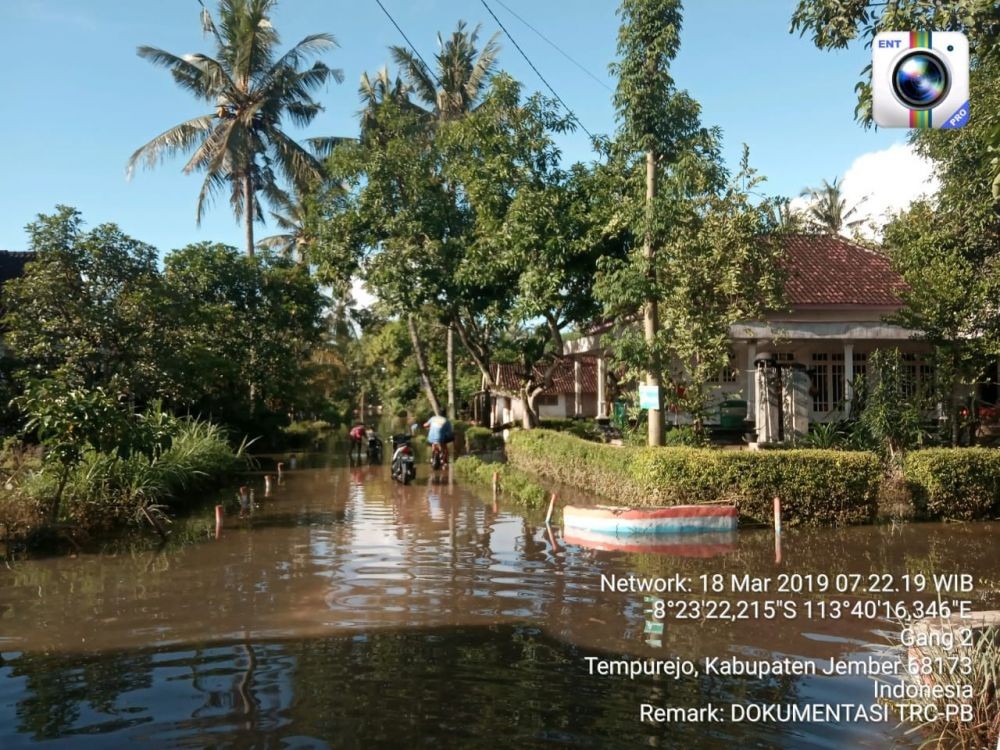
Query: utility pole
[[451, 372], [650, 315]]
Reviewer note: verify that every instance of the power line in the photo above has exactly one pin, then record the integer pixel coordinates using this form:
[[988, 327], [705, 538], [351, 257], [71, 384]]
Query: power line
[[402, 33], [552, 44], [532, 66]]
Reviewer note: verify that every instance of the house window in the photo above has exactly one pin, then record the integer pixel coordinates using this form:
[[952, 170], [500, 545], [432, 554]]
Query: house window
[[547, 401], [926, 374], [729, 372], [860, 365], [837, 373], [821, 381]]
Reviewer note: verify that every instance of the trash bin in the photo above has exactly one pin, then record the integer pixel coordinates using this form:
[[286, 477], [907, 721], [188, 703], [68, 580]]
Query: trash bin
[[732, 414]]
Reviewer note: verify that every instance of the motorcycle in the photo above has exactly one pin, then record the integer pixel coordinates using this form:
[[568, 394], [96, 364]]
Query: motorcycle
[[439, 456], [374, 448], [404, 469]]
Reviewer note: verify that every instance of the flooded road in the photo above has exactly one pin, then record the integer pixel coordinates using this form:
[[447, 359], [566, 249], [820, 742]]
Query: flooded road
[[348, 611]]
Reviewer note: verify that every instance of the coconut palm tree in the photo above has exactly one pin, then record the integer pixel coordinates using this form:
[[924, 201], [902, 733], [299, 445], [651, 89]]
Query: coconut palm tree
[[377, 90], [827, 211], [784, 218], [240, 145], [462, 73], [292, 218]]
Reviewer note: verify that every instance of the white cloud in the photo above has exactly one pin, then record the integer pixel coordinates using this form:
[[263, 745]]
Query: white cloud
[[890, 179], [883, 182]]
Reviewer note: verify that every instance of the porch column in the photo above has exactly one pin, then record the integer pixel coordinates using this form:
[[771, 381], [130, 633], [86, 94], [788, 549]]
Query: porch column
[[751, 379], [848, 377], [577, 388], [602, 374]]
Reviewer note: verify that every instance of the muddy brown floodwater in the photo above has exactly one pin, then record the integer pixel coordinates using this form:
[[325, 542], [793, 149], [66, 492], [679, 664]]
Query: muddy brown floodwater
[[348, 611]]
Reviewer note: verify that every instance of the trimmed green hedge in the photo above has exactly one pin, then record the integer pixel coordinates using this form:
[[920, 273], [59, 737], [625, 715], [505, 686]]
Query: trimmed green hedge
[[816, 486], [956, 483], [514, 485]]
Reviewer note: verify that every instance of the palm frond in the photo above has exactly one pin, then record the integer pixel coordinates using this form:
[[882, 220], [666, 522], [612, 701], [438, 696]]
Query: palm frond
[[323, 146], [179, 138], [417, 75], [298, 166]]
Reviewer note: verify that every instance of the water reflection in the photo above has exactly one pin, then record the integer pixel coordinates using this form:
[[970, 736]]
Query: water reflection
[[347, 610]]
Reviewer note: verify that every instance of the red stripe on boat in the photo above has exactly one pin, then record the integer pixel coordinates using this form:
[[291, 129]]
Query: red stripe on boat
[[649, 514]]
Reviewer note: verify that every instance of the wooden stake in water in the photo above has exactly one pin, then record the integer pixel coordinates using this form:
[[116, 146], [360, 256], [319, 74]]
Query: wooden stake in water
[[777, 529], [496, 484], [218, 521], [552, 505]]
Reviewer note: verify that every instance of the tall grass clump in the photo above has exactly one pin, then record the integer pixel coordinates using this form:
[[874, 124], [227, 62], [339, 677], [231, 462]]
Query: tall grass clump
[[982, 676], [106, 489]]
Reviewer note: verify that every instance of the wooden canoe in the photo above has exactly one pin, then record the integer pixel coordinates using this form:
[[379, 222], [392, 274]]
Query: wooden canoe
[[675, 519]]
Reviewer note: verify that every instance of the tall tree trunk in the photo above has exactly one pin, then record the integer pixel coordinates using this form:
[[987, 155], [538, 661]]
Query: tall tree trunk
[[248, 216], [650, 313], [451, 371], [529, 397], [418, 352]]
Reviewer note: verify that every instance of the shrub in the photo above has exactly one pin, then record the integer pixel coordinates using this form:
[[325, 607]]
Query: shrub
[[514, 485], [816, 487], [683, 435], [306, 434], [958, 483], [585, 429], [482, 440]]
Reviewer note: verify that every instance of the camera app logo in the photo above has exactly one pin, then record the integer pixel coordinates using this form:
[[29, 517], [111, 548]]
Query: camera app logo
[[920, 79]]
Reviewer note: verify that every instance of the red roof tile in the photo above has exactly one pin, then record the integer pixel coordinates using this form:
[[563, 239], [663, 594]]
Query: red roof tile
[[829, 270], [510, 376]]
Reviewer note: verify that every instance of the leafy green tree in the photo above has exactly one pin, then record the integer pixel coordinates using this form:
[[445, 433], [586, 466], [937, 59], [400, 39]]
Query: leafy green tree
[[241, 144], [400, 216], [532, 247], [695, 264], [720, 265], [827, 211], [451, 92], [947, 247], [90, 306], [249, 326], [659, 130], [68, 420]]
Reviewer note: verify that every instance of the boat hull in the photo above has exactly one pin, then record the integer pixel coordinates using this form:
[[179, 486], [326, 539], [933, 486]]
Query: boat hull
[[704, 544], [676, 519]]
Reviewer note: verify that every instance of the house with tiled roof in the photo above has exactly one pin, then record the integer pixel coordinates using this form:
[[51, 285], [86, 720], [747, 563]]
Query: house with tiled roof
[[839, 295], [572, 393]]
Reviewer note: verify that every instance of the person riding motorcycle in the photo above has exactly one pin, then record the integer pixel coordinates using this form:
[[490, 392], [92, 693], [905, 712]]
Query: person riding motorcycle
[[439, 433]]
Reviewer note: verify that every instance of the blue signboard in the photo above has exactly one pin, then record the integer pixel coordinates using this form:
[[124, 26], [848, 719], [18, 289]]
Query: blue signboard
[[649, 397]]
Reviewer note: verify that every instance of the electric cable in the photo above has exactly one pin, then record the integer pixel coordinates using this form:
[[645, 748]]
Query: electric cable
[[552, 44], [532, 66]]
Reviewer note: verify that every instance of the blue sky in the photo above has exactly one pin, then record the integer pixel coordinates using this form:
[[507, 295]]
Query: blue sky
[[77, 101]]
